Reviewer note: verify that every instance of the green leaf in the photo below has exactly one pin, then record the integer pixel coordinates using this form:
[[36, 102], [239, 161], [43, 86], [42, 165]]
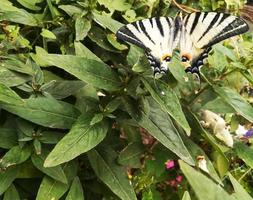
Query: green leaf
[[11, 78], [115, 4], [51, 189], [8, 138], [245, 153], [98, 36], [15, 64], [15, 156], [113, 41], [83, 51], [240, 192], [44, 111], [196, 151], [96, 118], [186, 196], [112, 105], [30, 4], [218, 105], [169, 102], [236, 101], [54, 172], [71, 10], [18, 16], [82, 26], [131, 155], [112, 174], [159, 125], [107, 22], [47, 34], [37, 146], [7, 95], [50, 137], [11, 193], [62, 89], [81, 138], [204, 187], [90, 71], [6, 178], [76, 190]]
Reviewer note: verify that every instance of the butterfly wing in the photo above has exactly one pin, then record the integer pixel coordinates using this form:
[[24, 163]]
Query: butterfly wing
[[158, 36], [205, 29]]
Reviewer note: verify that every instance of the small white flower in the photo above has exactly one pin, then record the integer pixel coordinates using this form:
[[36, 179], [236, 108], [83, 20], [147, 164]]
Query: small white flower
[[240, 131], [202, 164]]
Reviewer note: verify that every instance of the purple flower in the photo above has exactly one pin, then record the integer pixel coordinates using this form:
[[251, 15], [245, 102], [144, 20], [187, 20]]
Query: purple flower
[[249, 133]]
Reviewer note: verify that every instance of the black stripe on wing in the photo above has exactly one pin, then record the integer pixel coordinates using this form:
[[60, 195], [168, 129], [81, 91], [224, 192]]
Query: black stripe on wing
[[210, 26], [125, 34], [144, 30], [195, 21], [236, 27]]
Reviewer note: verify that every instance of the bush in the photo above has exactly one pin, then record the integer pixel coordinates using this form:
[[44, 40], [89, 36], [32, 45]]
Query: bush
[[82, 116]]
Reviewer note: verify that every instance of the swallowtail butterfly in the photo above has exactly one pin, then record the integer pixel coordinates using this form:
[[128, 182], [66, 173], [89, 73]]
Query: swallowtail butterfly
[[194, 35]]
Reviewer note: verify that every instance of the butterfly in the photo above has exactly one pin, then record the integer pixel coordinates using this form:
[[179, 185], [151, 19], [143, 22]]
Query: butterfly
[[193, 34]]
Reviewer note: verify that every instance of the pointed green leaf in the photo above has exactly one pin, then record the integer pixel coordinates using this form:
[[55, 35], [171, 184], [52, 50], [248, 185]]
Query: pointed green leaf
[[51, 189], [45, 111], [90, 71], [107, 22], [204, 187], [83, 51], [186, 196], [6, 178], [8, 138], [82, 26], [245, 153], [81, 138], [7, 95], [131, 155], [159, 125], [236, 101], [62, 89], [54, 172], [169, 102], [14, 156], [47, 34], [113, 175], [18, 16], [11, 193], [240, 192], [76, 190]]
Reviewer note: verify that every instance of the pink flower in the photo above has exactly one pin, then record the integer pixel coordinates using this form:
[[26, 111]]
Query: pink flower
[[170, 164], [179, 179]]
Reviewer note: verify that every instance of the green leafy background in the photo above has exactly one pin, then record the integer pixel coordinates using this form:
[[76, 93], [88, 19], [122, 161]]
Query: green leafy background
[[82, 117]]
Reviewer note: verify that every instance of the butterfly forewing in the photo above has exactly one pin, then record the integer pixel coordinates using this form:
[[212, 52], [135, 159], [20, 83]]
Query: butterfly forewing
[[209, 28], [158, 36]]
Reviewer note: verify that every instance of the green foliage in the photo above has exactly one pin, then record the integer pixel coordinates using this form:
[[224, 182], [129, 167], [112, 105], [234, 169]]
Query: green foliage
[[82, 116]]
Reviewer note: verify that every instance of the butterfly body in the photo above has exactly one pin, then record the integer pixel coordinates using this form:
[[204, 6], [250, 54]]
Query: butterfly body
[[193, 34]]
